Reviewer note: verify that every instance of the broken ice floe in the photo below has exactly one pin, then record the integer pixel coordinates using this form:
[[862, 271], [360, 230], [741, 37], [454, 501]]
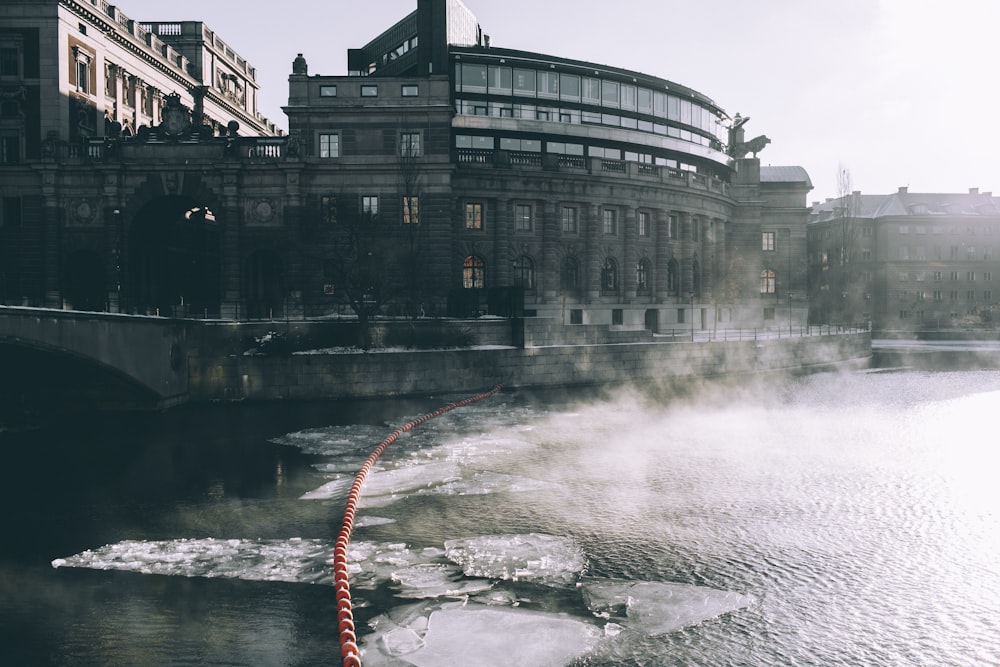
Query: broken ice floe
[[474, 634], [657, 608], [546, 559]]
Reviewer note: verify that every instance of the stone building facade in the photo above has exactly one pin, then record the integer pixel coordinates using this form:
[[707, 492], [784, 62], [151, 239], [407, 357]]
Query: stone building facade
[[441, 176], [906, 260]]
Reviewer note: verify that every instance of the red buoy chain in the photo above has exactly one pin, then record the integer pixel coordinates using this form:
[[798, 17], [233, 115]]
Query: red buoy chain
[[345, 613]]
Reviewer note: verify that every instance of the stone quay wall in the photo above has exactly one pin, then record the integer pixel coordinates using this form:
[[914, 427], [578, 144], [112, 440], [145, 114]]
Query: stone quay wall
[[222, 370]]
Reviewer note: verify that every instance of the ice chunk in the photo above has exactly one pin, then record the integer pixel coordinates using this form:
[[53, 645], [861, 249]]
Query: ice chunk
[[401, 641], [489, 636], [431, 580], [475, 635], [657, 608], [546, 559]]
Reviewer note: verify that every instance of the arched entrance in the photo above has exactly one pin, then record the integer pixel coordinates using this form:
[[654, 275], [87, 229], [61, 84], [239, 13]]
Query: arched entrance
[[83, 281], [265, 288], [173, 260]]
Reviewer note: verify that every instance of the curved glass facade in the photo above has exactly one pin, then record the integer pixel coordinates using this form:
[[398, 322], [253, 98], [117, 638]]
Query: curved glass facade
[[596, 103]]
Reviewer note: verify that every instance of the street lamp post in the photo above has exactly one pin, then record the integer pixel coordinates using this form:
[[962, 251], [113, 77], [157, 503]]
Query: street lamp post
[[691, 297], [790, 313]]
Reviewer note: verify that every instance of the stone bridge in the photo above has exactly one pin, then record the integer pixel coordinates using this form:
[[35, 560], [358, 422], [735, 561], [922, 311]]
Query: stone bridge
[[65, 359]]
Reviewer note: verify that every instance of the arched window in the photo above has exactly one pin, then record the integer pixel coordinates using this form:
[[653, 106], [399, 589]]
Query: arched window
[[642, 276], [473, 273], [524, 272], [767, 281], [673, 278], [609, 275], [569, 276]]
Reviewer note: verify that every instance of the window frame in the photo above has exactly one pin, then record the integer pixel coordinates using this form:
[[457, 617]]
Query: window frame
[[411, 210], [474, 216], [473, 272], [575, 220], [643, 223], [409, 144], [409, 90], [523, 218], [369, 90], [325, 137], [609, 221], [369, 206], [768, 241], [768, 282]]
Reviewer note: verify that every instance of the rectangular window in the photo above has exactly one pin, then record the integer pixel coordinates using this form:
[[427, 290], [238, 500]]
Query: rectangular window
[[328, 209], [411, 90], [524, 82], [938, 275], [971, 276], [643, 223], [866, 255], [369, 90], [970, 295], [329, 145], [970, 253], [369, 206], [954, 276], [10, 213], [938, 295], [767, 241], [953, 295], [411, 210], [522, 218], [474, 216], [987, 295], [904, 229], [576, 316], [617, 316], [328, 91], [409, 144], [9, 62], [672, 227], [10, 149], [569, 216], [988, 276], [610, 221]]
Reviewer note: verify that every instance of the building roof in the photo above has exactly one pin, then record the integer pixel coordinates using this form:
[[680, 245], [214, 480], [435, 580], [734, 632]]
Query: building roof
[[785, 175], [903, 203]]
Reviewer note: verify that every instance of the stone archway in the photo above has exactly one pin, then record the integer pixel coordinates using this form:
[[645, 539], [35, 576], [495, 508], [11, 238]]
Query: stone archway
[[173, 259]]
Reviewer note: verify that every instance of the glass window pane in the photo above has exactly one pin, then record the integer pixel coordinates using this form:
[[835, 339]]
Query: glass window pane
[[628, 96], [548, 84], [610, 96], [524, 82], [569, 87], [500, 80], [474, 78], [591, 90], [645, 100]]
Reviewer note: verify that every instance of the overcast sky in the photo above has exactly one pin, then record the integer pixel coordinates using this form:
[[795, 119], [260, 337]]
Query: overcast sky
[[896, 92]]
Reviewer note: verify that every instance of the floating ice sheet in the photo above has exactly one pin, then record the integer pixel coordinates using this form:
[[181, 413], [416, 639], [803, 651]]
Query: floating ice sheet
[[474, 635], [546, 559], [657, 608]]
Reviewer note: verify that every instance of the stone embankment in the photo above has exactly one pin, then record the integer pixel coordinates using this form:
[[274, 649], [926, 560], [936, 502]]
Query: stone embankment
[[240, 361]]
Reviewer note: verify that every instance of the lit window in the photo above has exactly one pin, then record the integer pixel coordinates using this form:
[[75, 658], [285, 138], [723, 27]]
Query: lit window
[[522, 218], [82, 68], [767, 241], [767, 281], [411, 210], [329, 145], [569, 216], [473, 216], [473, 273]]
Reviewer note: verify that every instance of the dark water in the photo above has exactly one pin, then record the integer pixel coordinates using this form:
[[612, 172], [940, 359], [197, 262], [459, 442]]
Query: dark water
[[858, 514]]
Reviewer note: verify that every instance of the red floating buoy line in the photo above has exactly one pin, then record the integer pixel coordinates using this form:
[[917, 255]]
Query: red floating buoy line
[[345, 612]]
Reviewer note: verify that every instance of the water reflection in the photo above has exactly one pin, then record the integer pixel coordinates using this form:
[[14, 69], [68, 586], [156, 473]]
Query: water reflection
[[853, 516]]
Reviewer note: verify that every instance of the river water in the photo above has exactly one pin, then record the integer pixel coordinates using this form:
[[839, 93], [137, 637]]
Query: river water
[[833, 519]]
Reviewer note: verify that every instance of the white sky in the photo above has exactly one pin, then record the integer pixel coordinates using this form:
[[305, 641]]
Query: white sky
[[893, 91]]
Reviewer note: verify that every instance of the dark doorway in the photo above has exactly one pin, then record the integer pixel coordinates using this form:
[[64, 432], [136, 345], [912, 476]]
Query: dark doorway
[[83, 281], [653, 320], [265, 289], [173, 262]]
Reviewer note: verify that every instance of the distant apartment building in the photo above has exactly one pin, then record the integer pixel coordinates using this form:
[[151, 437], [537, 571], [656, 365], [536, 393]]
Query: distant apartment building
[[905, 260]]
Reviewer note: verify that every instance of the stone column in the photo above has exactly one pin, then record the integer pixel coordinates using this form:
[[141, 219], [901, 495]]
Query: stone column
[[230, 221], [503, 248], [547, 273], [661, 259], [686, 259], [630, 229], [590, 266]]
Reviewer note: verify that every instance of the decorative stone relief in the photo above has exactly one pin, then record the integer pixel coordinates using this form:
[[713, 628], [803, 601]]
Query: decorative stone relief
[[262, 211]]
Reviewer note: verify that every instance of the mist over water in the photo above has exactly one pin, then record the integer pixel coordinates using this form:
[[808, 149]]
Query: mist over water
[[832, 519]]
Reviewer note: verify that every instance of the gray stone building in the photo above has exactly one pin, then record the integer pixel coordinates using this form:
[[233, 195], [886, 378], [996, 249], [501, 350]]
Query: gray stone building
[[441, 175], [905, 260]]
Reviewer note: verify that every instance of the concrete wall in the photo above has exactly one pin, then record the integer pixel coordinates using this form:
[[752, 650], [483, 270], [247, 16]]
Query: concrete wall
[[379, 374]]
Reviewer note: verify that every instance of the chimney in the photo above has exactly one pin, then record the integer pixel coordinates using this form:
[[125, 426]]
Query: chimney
[[973, 191], [902, 190], [856, 193]]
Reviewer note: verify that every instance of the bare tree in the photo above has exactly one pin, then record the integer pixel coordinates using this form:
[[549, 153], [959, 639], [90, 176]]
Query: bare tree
[[845, 297], [410, 259], [358, 265]]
